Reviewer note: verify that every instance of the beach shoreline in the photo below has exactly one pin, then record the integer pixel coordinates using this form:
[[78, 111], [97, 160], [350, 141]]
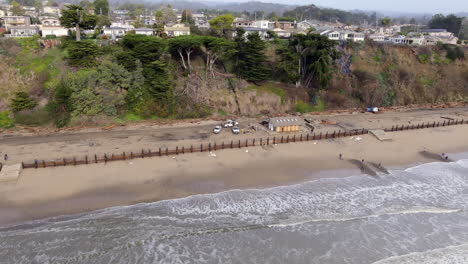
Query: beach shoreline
[[52, 192]]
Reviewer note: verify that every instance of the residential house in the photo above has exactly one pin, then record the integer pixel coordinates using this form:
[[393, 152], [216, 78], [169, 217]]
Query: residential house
[[343, 35], [50, 21], [115, 32], [331, 34], [283, 24], [243, 24], [377, 37], [352, 35], [23, 31], [284, 124], [262, 32], [52, 10], [15, 21], [261, 24], [305, 25], [125, 25], [144, 31], [281, 33], [57, 31], [2, 13], [177, 30]]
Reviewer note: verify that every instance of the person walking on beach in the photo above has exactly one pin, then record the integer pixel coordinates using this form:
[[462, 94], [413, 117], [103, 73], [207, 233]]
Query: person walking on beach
[[341, 156], [5, 157]]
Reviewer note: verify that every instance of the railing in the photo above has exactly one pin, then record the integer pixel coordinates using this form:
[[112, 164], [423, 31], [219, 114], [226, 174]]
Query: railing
[[237, 144]]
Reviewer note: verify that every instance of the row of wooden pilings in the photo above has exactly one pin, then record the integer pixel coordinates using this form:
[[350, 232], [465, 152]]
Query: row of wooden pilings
[[230, 145]]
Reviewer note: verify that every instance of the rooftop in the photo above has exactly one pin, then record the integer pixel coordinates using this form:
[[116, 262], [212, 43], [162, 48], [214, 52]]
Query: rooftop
[[285, 121]]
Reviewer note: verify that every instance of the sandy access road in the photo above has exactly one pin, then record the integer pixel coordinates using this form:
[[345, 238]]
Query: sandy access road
[[149, 136]]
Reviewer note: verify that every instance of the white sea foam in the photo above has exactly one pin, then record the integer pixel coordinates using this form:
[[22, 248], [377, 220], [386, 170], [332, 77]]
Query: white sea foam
[[356, 219], [448, 255]]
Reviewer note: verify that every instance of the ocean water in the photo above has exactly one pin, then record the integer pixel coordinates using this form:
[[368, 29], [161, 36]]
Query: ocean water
[[417, 215]]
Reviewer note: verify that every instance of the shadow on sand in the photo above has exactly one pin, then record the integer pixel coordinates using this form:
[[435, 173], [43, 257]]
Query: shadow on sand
[[366, 169], [434, 156]]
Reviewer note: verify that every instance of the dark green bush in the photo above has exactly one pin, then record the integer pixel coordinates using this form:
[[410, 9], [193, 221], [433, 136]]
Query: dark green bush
[[22, 101]]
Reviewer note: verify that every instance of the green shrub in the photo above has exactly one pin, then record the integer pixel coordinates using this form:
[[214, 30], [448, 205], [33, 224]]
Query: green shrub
[[424, 58], [303, 107], [82, 53], [33, 118], [22, 101], [132, 117], [5, 121]]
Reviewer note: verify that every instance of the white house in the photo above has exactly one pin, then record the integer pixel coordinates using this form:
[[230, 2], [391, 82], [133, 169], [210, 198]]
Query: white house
[[23, 31], [50, 21], [262, 32], [144, 31], [51, 10], [54, 31], [125, 25], [352, 35], [2, 13], [377, 37], [177, 30], [331, 34], [115, 32], [261, 24]]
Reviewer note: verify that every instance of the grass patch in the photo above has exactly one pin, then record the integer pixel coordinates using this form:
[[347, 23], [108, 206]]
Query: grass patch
[[5, 120], [269, 88], [132, 117], [424, 58], [221, 112], [303, 107]]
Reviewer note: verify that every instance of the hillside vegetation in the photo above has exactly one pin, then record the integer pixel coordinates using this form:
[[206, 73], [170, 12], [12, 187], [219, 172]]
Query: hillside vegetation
[[144, 77]]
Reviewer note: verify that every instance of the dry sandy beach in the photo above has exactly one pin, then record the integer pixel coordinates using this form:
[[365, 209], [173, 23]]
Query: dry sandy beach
[[66, 190]]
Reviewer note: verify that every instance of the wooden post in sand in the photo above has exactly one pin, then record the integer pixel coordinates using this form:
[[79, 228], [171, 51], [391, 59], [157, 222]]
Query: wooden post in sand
[[201, 147], [232, 144], [167, 151], [177, 150], [209, 146], [105, 158], [191, 148], [95, 158], [253, 142], [86, 158], [239, 143]]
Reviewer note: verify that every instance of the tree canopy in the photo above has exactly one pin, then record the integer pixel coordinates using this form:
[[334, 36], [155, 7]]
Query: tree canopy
[[451, 23], [101, 7], [75, 16], [251, 55], [222, 24]]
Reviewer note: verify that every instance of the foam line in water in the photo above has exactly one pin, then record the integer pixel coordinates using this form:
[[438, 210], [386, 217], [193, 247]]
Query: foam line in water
[[451, 254], [428, 210]]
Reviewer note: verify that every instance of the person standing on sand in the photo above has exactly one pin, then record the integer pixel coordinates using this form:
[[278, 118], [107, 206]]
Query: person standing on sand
[[5, 157], [341, 156]]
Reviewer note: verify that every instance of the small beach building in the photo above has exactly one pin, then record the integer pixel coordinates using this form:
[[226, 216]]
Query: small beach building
[[284, 124]]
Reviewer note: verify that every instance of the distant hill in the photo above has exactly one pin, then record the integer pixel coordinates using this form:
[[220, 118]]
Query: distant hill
[[329, 14], [255, 6]]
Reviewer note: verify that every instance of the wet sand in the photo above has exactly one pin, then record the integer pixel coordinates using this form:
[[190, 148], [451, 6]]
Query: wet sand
[[66, 190]]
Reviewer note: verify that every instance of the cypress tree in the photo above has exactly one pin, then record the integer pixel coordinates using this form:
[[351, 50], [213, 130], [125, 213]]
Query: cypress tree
[[252, 59]]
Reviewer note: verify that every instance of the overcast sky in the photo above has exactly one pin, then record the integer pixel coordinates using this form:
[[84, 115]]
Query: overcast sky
[[410, 6]]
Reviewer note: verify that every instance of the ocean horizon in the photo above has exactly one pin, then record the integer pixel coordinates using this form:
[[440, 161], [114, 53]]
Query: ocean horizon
[[413, 215]]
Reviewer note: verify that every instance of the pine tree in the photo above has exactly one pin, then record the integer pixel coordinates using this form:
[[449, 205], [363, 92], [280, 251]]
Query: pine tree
[[252, 58]]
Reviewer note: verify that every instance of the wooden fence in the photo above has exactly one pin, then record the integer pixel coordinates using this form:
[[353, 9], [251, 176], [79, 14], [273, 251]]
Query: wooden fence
[[233, 144]]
